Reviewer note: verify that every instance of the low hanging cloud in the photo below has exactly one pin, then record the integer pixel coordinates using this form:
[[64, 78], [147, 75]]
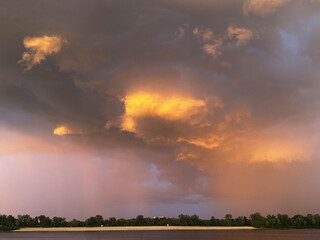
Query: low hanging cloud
[[38, 48], [263, 7]]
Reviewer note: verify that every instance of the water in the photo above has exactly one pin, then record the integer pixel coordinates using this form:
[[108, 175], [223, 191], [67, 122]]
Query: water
[[305, 234]]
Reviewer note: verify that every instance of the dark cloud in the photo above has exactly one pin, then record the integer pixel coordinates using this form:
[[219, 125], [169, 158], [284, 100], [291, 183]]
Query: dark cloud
[[251, 145]]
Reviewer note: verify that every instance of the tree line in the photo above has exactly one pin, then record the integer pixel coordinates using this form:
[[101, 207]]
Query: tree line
[[9, 222]]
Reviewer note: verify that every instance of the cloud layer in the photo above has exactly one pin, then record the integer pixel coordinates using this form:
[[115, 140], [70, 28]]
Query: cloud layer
[[159, 108]]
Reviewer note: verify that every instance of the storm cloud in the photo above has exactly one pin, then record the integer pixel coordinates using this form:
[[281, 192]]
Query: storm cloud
[[122, 108]]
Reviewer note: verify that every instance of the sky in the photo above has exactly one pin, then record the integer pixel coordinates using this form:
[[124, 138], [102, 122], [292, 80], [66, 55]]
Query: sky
[[159, 108]]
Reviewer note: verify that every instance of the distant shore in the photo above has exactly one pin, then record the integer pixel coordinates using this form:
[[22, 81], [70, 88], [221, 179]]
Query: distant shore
[[142, 228]]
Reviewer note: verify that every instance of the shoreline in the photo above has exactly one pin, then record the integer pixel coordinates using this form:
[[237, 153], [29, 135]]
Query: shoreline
[[133, 228]]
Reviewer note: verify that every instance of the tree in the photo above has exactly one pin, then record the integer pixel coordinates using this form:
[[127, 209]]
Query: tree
[[59, 222], [112, 221], [74, 223], [257, 220], [272, 221], [239, 221], [229, 220], [26, 221], [148, 222], [44, 221], [140, 220], [99, 220], [184, 220], [299, 221], [91, 222], [285, 221], [170, 221], [3, 220], [195, 220], [122, 222], [213, 221], [11, 221], [317, 219]]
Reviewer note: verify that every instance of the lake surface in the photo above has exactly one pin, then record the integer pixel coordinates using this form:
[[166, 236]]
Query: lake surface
[[305, 234]]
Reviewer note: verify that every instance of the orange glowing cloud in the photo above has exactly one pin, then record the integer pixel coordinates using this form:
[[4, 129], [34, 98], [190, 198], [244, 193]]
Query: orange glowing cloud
[[263, 7], [278, 152], [213, 44], [189, 122], [179, 119], [170, 108], [198, 125], [38, 48], [62, 130], [242, 35], [209, 142]]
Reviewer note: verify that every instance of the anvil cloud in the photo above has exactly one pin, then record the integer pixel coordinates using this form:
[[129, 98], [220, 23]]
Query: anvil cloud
[[159, 107]]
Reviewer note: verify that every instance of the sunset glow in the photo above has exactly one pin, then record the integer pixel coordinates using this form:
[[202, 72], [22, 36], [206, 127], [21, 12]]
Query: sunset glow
[[159, 108], [170, 108], [279, 152], [38, 48], [62, 130]]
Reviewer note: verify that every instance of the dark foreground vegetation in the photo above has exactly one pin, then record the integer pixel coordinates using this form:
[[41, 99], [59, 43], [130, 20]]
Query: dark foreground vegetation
[[10, 222]]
